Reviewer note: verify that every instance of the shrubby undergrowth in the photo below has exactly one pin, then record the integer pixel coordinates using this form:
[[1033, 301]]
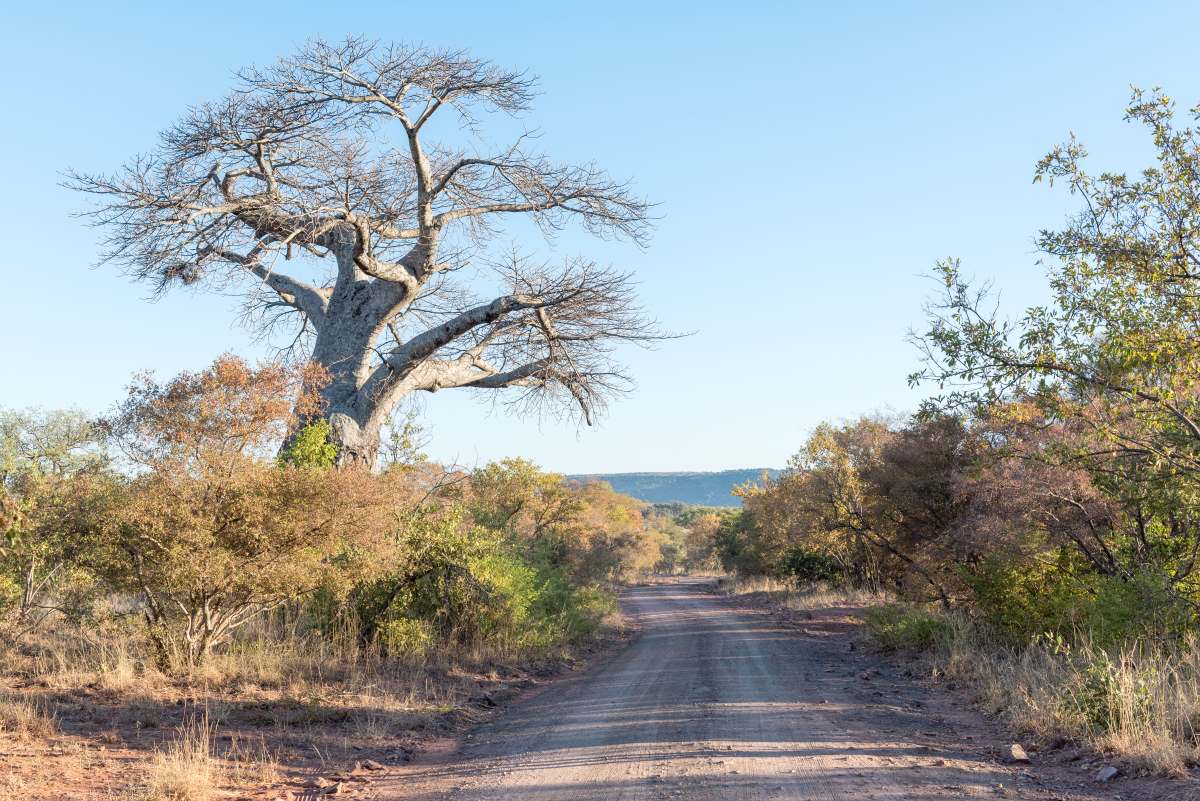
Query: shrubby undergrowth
[[175, 520]]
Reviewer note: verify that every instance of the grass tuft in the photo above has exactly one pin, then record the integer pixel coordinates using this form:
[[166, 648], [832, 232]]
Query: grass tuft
[[185, 770], [25, 717]]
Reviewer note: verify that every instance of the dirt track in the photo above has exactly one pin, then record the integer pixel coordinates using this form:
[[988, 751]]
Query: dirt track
[[717, 701]]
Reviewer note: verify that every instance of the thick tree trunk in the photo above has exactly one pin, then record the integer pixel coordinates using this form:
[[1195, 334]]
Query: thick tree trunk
[[355, 420], [357, 311], [357, 443]]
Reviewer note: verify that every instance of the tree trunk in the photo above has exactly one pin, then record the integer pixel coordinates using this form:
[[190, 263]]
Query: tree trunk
[[357, 312], [357, 443]]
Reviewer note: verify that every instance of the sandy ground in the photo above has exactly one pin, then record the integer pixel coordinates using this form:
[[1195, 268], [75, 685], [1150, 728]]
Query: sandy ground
[[717, 700]]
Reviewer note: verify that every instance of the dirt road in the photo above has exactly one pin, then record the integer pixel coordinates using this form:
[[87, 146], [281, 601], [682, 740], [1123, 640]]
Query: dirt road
[[716, 701]]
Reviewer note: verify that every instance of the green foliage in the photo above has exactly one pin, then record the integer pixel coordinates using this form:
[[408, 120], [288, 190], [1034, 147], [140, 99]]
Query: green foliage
[[406, 635], [1020, 600], [311, 446], [737, 547], [809, 566], [896, 627], [46, 457], [1098, 695], [464, 583]]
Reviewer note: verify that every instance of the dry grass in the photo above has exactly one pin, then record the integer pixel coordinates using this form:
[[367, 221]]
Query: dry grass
[[110, 658], [185, 770], [280, 701], [800, 598], [251, 763], [1139, 704], [25, 717]]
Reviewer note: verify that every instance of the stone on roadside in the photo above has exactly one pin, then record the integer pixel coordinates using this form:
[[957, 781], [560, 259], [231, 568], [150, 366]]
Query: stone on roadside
[[1106, 773], [1018, 753]]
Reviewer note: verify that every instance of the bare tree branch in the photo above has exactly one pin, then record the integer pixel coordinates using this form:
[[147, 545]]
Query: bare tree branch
[[320, 161]]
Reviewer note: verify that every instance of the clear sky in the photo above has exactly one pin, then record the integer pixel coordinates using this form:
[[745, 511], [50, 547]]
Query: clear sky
[[811, 162]]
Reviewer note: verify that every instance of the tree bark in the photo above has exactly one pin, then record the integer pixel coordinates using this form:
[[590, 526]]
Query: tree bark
[[358, 444]]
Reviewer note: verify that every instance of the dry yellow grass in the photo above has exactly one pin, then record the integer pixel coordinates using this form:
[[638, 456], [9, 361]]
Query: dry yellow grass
[[251, 763], [25, 717], [1139, 704], [185, 770], [800, 598], [280, 700]]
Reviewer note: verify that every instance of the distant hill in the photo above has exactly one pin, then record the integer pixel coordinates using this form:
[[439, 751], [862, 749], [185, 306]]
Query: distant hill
[[699, 489]]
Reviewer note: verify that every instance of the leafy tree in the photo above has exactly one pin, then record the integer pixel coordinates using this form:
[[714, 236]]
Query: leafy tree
[[45, 456], [211, 533], [508, 553], [1110, 365], [700, 527], [587, 528], [880, 501]]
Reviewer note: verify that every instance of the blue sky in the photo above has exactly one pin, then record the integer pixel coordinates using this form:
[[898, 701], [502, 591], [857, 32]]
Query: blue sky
[[811, 162]]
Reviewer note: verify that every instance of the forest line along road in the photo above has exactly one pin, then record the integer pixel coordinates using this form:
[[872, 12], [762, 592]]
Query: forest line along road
[[715, 700]]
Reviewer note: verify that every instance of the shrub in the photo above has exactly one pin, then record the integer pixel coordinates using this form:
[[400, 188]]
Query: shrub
[[311, 446], [809, 566], [1019, 600], [208, 554], [44, 457], [464, 584], [895, 627], [406, 635], [210, 532]]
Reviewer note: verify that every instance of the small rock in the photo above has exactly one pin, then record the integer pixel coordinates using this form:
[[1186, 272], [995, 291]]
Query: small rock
[[371, 764], [1018, 753], [1106, 773], [336, 788], [319, 782]]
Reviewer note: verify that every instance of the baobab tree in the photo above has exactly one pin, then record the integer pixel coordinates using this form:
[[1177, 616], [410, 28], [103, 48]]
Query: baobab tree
[[315, 188]]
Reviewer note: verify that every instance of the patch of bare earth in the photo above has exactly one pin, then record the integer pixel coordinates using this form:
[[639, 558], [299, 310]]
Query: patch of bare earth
[[135, 734]]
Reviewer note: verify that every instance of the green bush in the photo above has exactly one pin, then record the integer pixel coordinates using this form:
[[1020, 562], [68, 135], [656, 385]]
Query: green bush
[[895, 627], [809, 566], [1020, 601], [404, 635], [565, 612], [465, 584], [311, 446]]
